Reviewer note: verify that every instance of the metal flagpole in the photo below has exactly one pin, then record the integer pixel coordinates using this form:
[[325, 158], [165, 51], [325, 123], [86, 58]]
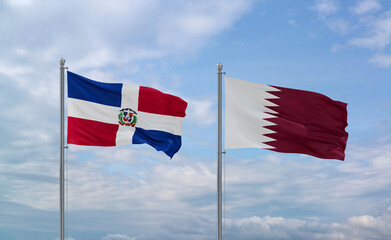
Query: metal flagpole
[[62, 147], [219, 152]]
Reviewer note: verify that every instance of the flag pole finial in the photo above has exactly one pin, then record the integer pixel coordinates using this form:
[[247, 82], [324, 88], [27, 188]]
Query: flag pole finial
[[219, 67]]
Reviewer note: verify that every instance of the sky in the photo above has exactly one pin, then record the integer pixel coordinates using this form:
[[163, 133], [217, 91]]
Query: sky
[[338, 48]]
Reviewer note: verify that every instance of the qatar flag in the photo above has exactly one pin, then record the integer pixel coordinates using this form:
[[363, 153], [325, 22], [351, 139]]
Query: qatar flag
[[284, 120], [112, 114]]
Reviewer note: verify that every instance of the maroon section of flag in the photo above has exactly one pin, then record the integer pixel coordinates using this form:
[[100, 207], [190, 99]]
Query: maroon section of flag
[[309, 123]]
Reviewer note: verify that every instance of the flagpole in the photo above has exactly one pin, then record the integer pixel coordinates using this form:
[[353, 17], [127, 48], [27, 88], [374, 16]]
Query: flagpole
[[219, 152], [62, 147]]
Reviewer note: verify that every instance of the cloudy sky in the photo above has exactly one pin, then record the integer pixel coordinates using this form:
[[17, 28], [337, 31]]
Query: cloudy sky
[[338, 48]]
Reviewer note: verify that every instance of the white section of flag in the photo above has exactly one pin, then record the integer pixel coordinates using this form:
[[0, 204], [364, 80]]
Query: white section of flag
[[129, 99], [107, 114], [92, 111], [246, 108], [124, 135], [129, 96], [150, 121]]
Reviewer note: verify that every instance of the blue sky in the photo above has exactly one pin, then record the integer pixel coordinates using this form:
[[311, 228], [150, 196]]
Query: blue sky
[[338, 48]]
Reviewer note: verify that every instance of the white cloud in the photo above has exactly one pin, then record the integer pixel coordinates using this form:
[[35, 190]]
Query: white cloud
[[118, 237], [378, 35], [116, 179], [292, 22], [201, 112], [20, 3], [358, 228], [382, 60], [99, 34], [267, 221], [97, 58], [149, 191], [325, 7], [337, 47], [364, 173], [338, 25], [262, 228], [14, 71], [94, 35], [365, 227], [365, 6], [196, 21]]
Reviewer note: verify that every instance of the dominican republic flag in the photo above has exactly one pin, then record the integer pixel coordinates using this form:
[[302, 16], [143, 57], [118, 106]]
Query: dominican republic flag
[[112, 114], [284, 120]]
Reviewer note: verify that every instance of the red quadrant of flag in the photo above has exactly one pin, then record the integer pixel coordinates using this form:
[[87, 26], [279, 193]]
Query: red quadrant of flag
[[154, 101], [91, 133]]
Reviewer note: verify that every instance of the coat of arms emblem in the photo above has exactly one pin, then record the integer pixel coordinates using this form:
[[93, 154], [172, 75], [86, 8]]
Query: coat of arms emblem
[[127, 117]]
